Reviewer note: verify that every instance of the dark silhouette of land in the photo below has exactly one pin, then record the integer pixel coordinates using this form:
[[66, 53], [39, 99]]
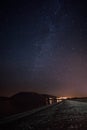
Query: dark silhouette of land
[[26, 101], [21, 102]]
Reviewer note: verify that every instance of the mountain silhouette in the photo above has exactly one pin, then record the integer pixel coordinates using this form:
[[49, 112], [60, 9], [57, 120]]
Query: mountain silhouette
[[22, 101]]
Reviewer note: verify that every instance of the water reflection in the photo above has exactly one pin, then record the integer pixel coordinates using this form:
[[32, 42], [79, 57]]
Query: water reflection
[[51, 100], [58, 100]]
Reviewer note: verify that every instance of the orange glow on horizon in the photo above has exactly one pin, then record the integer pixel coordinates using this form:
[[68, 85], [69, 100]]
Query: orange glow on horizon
[[60, 98]]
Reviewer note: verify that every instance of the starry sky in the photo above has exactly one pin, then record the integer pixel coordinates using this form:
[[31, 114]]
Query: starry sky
[[43, 47]]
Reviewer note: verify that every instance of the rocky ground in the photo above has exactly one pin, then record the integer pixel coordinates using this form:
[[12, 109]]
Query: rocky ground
[[66, 115]]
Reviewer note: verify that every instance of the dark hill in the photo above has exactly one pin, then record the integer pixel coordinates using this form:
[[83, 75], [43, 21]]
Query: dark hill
[[4, 98], [28, 99], [23, 101]]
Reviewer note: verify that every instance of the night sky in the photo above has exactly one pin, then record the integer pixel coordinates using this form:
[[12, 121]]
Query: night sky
[[43, 47]]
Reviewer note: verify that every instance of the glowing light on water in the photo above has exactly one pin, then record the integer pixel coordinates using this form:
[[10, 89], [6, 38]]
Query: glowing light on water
[[58, 100], [50, 100]]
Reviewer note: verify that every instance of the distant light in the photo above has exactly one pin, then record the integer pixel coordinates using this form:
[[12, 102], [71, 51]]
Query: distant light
[[61, 98]]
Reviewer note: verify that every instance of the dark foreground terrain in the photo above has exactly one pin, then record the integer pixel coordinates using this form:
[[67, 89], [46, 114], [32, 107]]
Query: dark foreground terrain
[[66, 115]]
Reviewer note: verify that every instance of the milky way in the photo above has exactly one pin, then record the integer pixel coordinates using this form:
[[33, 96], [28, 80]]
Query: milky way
[[43, 47]]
